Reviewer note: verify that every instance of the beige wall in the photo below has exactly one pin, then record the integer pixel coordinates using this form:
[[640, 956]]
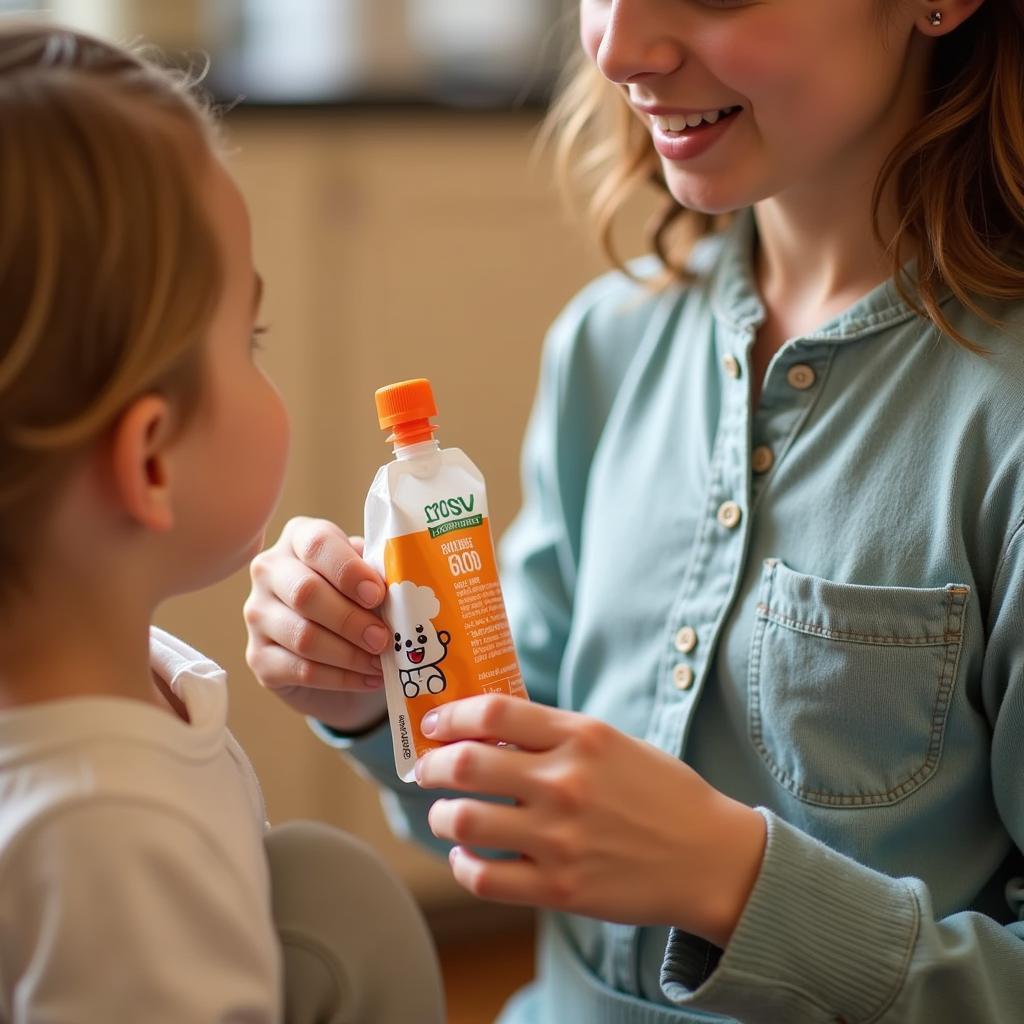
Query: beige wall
[[393, 246]]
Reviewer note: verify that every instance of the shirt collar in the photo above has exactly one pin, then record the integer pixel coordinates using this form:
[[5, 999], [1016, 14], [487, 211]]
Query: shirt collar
[[736, 304]]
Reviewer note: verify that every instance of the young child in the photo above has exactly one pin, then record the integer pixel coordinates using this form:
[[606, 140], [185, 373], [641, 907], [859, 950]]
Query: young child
[[768, 584], [143, 451]]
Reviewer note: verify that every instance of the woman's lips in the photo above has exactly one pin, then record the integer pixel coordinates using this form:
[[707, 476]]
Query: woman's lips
[[691, 142]]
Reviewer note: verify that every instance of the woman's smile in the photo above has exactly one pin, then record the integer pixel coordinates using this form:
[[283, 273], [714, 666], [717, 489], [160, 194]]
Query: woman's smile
[[685, 136]]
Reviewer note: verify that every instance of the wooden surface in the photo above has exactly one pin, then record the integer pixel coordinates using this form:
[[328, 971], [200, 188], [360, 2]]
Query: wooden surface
[[482, 970]]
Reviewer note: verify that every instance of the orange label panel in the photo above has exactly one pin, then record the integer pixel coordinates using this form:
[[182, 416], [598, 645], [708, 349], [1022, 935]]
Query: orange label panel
[[450, 633]]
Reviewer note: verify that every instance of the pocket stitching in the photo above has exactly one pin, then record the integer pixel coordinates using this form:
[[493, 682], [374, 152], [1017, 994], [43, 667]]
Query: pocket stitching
[[952, 640], [811, 628]]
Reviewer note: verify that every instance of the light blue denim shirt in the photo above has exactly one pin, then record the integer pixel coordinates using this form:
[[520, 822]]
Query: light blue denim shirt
[[819, 605]]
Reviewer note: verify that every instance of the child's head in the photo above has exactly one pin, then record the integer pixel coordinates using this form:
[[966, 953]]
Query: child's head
[[132, 417], [826, 92]]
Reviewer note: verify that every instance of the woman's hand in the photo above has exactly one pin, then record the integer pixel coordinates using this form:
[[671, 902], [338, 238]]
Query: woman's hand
[[313, 637], [606, 825]]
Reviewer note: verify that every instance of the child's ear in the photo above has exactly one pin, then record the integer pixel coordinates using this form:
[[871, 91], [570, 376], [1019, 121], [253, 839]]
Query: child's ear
[[141, 464]]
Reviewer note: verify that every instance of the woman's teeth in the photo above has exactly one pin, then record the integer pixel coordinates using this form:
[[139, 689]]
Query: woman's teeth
[[680, 122]]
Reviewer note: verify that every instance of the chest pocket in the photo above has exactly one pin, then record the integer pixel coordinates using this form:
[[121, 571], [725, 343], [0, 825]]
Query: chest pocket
[[850, 686]]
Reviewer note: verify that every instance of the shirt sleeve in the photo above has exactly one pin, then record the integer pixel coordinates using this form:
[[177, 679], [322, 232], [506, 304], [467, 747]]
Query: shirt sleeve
[[824, 938], [116, 911]]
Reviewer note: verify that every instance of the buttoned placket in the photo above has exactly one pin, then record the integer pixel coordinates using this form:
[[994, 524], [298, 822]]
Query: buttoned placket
[[704, 597], [717, 557], [718, 560], [790, 389], [706, 592], [748, 446], [749, 451]]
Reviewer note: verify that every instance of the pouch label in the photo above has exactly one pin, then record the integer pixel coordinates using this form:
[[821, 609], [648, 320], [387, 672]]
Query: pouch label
[[450, 636]]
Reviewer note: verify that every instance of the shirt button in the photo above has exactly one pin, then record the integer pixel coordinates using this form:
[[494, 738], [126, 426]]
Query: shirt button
[[682, 676], [800, 376], [686, 639], [732, 366], [729, 514], [762, 459]]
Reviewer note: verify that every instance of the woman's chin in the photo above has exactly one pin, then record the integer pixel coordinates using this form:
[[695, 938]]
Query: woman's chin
[[713, 206], [711, 196]]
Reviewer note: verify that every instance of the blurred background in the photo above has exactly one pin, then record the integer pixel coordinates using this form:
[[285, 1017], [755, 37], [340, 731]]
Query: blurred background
[[405, 227]]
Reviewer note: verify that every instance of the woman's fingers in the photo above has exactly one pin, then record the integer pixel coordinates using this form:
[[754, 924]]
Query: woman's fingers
[[279, 669], [313, 639], [501, 719], [477, 767], [476, 823], [503, 881], [315, 599], [326, 549], [309, 641]]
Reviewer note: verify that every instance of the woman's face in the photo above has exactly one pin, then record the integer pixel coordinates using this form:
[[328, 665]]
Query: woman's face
[[803, 94]]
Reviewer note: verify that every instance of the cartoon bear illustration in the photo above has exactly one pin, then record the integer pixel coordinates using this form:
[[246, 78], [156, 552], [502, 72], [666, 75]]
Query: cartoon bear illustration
[[419, 646]]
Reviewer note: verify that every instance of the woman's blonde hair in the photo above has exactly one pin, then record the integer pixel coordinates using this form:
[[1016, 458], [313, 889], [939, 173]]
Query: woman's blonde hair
[[958, 175], [109, 269]]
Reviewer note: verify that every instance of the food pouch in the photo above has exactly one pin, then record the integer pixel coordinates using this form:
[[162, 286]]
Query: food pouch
[[428, 535]]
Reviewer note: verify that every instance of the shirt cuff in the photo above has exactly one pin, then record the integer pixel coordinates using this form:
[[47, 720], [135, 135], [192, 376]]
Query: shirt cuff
[[821, 937], [369, 752], [343, 740]]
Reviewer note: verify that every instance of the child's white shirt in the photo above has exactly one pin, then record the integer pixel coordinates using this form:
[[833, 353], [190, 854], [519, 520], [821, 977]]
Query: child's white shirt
[[133, 881]]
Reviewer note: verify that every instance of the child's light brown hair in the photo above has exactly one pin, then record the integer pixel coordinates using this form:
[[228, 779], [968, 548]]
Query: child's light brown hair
[[109, 270], [959, 174]]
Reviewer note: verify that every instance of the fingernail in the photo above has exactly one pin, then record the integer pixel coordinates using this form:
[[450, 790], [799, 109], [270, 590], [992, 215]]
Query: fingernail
[[376, 637], [429, 723], [452, 854], [368, 593], [417, 769], [374, 682]]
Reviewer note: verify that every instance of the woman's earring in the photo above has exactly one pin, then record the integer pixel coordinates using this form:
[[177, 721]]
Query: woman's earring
[[935, 19]]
